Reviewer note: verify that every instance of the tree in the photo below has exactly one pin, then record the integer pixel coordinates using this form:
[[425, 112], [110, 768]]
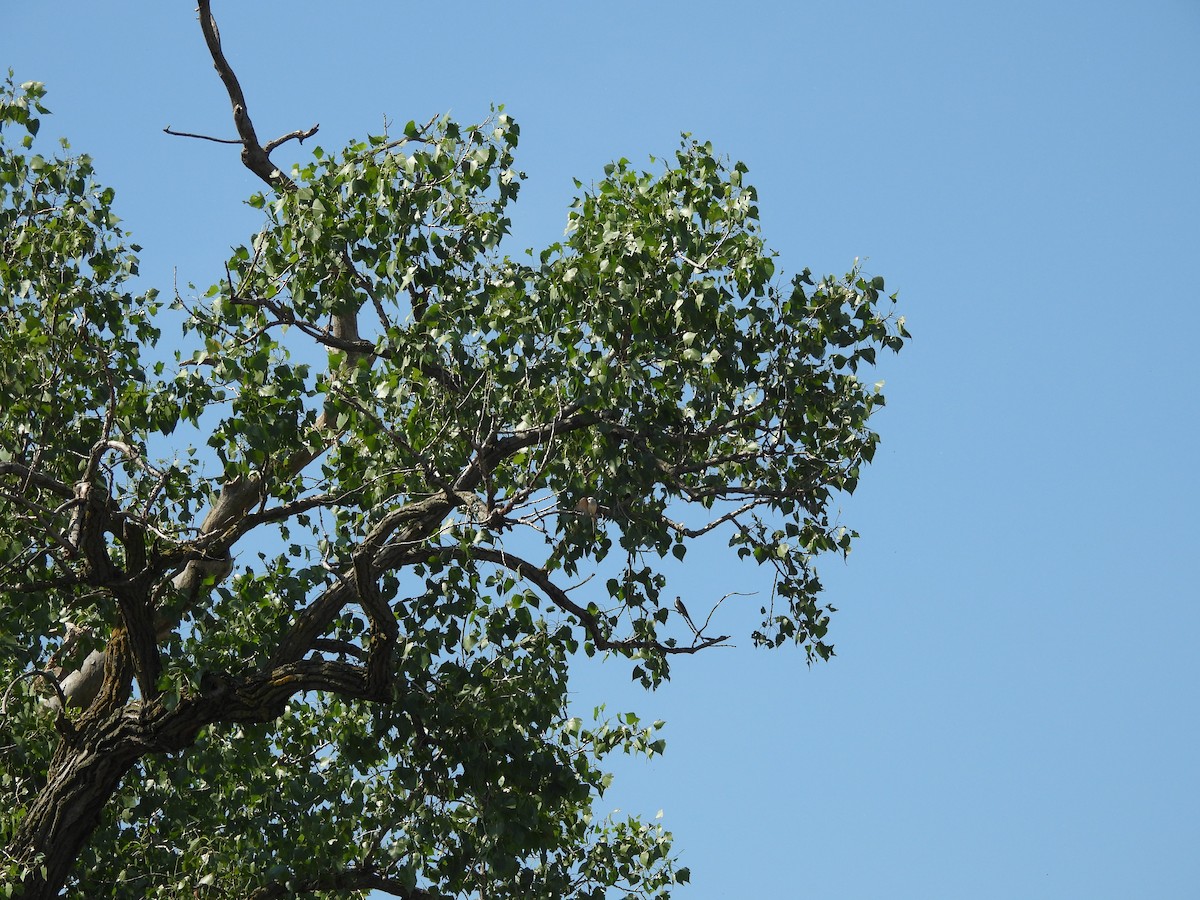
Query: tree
[[328, 652]]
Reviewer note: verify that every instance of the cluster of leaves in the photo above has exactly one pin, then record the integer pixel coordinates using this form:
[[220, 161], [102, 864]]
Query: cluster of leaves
[[74, 387], [476, 781], [413, 415], [72, 337]]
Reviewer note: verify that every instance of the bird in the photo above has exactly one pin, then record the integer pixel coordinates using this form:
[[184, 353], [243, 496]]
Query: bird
[[589, 506], [682, 610]]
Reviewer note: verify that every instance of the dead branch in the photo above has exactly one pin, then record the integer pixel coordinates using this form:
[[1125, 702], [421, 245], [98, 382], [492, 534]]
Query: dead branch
[[298, 135], [202, 137], [254, 156]]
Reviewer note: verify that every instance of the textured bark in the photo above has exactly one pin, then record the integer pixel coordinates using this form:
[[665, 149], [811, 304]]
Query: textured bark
[[110, 738], [83, 776], [93, 756]]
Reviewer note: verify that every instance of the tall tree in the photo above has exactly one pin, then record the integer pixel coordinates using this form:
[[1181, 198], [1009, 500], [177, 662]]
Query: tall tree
[[412, 446]]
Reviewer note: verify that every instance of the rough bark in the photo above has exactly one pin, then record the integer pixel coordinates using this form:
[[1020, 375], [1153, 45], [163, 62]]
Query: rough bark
[[100, 749]]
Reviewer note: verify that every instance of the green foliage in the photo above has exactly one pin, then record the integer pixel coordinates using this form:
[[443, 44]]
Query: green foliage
[[475, 781], [413, 413], [71, 375]]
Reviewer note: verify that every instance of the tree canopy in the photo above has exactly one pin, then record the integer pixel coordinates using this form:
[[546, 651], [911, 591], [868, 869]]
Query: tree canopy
[[290, 595]]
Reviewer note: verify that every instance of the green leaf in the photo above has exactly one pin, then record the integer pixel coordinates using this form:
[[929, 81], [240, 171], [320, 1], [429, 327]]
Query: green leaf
[[428, 474]]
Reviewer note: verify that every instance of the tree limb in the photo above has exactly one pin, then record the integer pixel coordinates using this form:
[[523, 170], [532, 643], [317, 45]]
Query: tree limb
[[203, 137], [352, 879], [299, 135], [254, 156], [540, 579], [30, 476], [239, 495]]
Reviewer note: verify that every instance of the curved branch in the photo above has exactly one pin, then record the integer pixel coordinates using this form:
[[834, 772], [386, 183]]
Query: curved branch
[[351, 879], [202, 137], [298, 135], [254, 156], [397, 539], [538, 577], [45, 674], [259, 697]]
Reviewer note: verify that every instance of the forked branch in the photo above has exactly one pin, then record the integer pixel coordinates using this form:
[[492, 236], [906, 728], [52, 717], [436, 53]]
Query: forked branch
[[538, 577], [255, 157]]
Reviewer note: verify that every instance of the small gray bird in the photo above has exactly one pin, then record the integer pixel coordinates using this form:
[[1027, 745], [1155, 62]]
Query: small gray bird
[[682, 610]]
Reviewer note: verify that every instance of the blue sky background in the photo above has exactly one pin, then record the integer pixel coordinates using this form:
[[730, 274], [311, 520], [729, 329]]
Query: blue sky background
[[1013, 708]]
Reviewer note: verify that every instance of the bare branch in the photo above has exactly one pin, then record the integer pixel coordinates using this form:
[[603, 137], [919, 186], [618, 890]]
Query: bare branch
[[298, 135], [202, 137], [730, 516], [254, 156]]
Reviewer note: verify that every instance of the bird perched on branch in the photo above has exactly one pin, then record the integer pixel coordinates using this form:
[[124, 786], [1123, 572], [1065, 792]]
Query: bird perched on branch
[[589, 506], [682, 610]]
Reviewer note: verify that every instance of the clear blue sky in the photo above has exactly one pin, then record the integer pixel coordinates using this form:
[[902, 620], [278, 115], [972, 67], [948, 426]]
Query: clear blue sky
[[1013, 709]]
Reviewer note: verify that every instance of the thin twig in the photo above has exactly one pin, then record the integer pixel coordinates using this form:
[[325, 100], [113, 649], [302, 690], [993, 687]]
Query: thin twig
[[45, 674], [202, 137]]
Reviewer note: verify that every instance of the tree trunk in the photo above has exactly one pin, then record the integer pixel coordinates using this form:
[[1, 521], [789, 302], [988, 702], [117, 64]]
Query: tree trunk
[[84, 774], [95, 753], [111, 737]]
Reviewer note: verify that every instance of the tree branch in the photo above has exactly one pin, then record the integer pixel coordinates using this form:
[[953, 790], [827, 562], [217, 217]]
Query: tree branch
[[254, 156], [298, 135], [352, 879], [30, 476], [539, 578], [395, 540], [202, 137], [239, 495]]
